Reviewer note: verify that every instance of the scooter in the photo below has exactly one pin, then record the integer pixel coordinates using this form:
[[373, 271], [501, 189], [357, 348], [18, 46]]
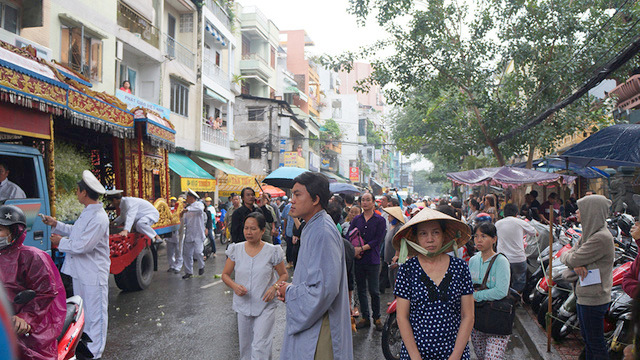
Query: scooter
[[391, 338], [619, 319], [72, 340]]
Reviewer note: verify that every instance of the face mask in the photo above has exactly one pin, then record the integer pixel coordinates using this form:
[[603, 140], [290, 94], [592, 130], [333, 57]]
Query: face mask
[[4, 242], [394, 221]]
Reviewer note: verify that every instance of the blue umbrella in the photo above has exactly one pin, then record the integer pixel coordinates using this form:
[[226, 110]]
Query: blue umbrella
[[282, 177], [342, 188]]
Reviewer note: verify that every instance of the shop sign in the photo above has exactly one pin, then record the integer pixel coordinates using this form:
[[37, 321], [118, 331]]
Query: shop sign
[[197, 184]]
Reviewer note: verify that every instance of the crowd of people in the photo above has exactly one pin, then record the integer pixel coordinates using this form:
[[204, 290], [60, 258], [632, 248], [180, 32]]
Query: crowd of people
[[344, 252]]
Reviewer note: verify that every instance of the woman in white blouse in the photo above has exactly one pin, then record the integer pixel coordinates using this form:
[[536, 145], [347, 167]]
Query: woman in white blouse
[[254, 262]]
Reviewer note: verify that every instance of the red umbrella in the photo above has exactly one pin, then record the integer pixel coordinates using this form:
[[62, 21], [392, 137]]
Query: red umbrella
[[273, 191]]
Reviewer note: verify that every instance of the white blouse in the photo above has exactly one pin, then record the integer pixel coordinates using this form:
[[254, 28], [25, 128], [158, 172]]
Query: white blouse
[[256, 274]]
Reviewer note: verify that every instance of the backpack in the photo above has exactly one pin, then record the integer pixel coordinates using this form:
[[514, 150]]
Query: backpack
[[209, 224]]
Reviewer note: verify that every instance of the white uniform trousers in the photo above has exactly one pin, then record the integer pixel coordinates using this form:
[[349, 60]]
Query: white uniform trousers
[[191, 250], [174, 252], [255, 334], [143, 226], [95, 299]]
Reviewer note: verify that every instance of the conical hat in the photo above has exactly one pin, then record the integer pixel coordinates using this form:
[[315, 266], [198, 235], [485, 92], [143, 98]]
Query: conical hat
[[454, 229], [396, 212]]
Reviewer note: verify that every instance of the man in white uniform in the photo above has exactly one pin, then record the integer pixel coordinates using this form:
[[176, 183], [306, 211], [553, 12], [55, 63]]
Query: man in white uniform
[[86, 248], [134, 211], [193, 218], [8, 189], [174, 244]]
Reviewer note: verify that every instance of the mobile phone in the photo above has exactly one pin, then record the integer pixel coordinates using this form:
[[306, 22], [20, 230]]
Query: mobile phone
[[42, 216]]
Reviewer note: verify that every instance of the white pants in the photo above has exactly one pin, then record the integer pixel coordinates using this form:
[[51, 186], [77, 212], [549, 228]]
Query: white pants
[[255, 334], [95, 299], [174, 252], [143, 226], [192, 249]]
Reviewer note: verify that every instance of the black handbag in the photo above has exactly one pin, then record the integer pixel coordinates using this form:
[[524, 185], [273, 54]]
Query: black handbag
[[495, 317]]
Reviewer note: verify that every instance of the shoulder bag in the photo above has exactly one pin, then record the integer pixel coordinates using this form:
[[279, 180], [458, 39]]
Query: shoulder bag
[[495, 317]]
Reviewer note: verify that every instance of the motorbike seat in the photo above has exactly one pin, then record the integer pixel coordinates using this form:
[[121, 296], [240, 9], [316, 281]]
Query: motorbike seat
[[68, 319]]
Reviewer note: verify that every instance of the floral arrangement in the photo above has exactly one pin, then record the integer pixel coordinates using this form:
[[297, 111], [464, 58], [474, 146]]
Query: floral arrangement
[[70, 162]]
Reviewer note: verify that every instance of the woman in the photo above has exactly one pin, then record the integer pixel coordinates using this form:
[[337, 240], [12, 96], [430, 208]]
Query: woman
[[489, 346], [490, 207], [474, 207], [434, 291], [254, 287], [594, 251], [353, 212], [126, 86], [396, 220]]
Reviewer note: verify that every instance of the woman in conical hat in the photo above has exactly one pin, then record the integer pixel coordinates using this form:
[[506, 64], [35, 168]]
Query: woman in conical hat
[[434, 290]]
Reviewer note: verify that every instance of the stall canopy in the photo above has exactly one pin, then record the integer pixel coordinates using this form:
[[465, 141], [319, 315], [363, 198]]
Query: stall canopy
[[224, 167], [191, 175], [555, 165], [507, 177], [615, 145]]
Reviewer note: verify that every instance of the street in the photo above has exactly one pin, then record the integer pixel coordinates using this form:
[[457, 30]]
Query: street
[[192, 319]]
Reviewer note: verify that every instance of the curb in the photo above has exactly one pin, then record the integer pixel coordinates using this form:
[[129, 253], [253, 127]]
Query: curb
[[532, 336]]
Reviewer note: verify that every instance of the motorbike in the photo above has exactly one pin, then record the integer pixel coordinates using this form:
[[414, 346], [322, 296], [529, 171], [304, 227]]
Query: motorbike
[[618, 324], [72, 342], [221, 229], [391, 338]]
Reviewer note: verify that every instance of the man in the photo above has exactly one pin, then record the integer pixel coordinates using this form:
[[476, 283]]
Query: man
[[134, 211], [248, 206], [384, 201], [372, 228], [288, 235], [317, 304], [235, 204], [271, 228], [8, 189], [194, 219], [210, 223], [86, 245], [545, 215], [511, 233], [174, 244], [534, 207]]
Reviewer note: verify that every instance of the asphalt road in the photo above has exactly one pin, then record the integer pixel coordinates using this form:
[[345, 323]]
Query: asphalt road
[[192, 319]]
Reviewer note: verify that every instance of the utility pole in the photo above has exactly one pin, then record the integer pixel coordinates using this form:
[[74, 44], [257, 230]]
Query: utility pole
[[270, 143]]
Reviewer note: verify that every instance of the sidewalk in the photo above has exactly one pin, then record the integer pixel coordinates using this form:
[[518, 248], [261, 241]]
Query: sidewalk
[[535, 338]]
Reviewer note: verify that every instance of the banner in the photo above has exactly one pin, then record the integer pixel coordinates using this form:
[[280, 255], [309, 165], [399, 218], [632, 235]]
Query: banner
[[354, 174], [203, 185], [291, 158]]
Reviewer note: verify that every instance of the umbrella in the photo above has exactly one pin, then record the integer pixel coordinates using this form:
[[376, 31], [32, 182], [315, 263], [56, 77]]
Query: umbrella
[[273, 191], [342, 188], [283, 176], [615, 145], [506, 176]]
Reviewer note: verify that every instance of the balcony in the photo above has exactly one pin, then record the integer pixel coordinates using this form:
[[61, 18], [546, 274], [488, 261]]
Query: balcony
[[219, 12], [175, 50], [214, 136], [138, 25], [254, 23], [215, 73], [628, 94], [255, 64]]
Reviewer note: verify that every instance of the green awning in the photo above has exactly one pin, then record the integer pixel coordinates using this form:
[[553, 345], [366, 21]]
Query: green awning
[[212, 94], [335, 177], [224, 167], [187, 168]]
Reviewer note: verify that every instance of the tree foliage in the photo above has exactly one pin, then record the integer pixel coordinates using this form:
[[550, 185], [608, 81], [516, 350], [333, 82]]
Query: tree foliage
[[465, 73]]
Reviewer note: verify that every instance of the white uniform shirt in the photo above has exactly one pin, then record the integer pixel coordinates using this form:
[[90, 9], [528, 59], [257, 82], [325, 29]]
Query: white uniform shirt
[[10, 190], [133, 209], [86, 244], [511, 232], [194, 221]]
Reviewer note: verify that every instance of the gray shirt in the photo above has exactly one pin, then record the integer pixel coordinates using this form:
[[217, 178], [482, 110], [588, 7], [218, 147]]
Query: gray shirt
[[319, 287], [9, 190]]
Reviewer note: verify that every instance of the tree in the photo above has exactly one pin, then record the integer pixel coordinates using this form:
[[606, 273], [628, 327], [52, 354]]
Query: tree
[[466, 73]]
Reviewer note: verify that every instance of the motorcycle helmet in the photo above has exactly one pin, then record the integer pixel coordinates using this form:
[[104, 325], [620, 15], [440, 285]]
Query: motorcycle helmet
[[13, 218], [625, 222], [483, 217], [285, 198], [207, 199]]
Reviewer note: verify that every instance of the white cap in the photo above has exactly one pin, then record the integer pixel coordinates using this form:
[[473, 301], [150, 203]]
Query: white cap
[[90, 180], [113, 192], [193, 193]]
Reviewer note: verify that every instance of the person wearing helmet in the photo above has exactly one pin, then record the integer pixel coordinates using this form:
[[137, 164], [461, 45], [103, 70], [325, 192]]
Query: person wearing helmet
[[86, 248], [134, 211], [38, 322]]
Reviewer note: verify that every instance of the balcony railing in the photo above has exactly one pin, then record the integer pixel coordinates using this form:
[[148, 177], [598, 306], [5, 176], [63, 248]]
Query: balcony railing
[[214, 72], [214, 136], [628, 93], [255, 56], [176, 50], [136, 24], [219, 12]]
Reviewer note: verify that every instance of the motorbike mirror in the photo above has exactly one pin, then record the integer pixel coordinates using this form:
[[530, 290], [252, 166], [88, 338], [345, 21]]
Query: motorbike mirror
[[24, 297]]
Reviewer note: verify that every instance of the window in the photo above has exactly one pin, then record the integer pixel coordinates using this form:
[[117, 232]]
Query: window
[[171, 32], [273, 57], [127, 73], [9, 18], [256, 114], [81, 52], [186, 23], [255, 151], [246, 45], [179, 97], [362, 127], [218, 59]]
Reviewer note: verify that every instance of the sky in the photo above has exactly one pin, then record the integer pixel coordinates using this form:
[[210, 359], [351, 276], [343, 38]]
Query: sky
[[327, 23]]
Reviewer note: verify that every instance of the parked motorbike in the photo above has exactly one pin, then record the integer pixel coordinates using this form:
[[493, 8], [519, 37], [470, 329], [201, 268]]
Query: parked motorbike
[[619, 319], [391, 338], [72, 340]]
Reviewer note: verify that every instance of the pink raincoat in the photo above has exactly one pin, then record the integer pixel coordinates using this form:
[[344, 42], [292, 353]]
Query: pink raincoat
[[27, 268]]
